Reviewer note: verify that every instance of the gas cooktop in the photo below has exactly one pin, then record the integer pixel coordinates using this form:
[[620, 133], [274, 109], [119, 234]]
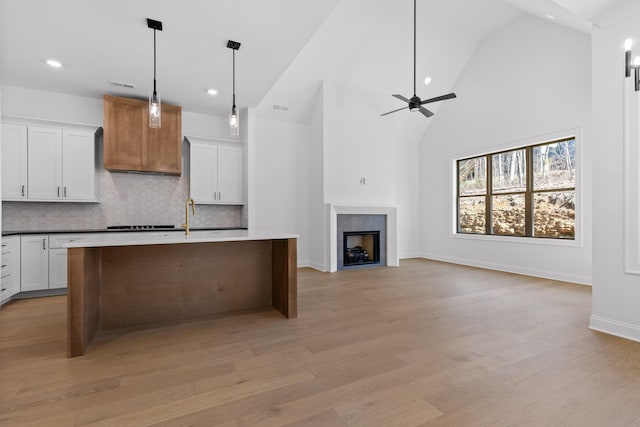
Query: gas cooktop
[[142, 227]]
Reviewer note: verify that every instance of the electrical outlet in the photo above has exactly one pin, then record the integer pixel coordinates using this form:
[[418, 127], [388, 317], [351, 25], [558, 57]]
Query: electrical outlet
[[363, 181]]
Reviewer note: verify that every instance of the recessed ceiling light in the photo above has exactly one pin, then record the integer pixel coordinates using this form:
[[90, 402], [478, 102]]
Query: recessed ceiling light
[[550, 17], [53, 63], [212, 92], [427, 80]]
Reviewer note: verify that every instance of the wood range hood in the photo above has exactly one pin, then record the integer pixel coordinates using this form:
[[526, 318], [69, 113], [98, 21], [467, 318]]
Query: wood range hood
[[130, 145]]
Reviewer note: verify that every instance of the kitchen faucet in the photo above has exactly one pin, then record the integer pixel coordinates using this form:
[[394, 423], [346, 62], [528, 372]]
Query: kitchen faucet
[[191, 202]]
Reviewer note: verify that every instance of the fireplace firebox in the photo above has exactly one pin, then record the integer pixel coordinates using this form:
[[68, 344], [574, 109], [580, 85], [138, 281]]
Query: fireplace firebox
[[361, 248]]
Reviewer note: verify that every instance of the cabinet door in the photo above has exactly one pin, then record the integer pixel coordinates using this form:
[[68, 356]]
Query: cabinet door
[[164, 145], [44, 159], [34, 262], [124, 131], [203, 180], [57, 268], [14, 244], [230, 182], [14, 162], [78, 165]]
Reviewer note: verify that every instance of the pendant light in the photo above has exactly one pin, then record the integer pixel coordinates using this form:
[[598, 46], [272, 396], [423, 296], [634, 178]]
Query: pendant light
[[155, 109], [234, 118]]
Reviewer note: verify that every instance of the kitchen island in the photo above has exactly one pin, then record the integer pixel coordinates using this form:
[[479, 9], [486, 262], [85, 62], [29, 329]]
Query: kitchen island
[[132, 280]]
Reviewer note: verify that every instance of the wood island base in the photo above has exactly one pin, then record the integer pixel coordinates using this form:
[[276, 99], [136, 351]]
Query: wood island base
[[116, 287]]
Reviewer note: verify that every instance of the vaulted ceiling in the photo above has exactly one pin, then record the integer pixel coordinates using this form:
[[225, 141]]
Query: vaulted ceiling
[[288, 46]]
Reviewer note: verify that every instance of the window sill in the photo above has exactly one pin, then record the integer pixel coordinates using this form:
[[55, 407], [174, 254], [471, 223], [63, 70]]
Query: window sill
[[526, 240]]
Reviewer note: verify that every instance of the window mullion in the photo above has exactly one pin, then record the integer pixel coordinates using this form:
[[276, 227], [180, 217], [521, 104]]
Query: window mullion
[[487, 203], [528, 199]]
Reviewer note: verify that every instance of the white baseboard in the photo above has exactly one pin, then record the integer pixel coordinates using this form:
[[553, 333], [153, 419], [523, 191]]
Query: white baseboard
[[409, 256], [582, 280], [317, 266], [614, 327], [302, 264]]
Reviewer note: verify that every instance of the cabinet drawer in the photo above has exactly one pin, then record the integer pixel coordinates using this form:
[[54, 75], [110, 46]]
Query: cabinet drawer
[[6, 268], [6, 247], [5, 282], [57, 240]]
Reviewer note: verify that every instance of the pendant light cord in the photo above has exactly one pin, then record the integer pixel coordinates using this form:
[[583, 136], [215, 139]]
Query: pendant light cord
[[414, 47], [234, 78], [155, 93]]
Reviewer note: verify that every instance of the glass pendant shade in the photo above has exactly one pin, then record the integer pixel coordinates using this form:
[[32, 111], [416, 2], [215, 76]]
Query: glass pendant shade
[[155, 111], [234, 122]]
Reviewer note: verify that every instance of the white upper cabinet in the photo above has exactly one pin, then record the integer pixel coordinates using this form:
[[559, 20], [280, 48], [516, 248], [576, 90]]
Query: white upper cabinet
[[230, 182], [44, 156], [48, 164], [216, 172], [14, 162], [78, 165], [204, 177]]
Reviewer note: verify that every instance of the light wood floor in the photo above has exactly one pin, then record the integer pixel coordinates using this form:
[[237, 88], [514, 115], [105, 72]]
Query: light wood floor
[[426, 344]]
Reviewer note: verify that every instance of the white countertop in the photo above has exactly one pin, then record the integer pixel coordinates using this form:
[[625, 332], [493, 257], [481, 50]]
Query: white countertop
[[170, 238]]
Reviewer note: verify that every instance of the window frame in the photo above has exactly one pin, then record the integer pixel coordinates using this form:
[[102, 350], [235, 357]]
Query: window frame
[[528, 145]]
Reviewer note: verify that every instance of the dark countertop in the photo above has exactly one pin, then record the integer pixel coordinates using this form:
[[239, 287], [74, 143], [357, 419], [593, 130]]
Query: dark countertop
[[104, 230]]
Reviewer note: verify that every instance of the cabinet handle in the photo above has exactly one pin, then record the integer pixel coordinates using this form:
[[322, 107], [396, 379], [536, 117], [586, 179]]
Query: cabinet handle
[[215, 195], [58, 191], [22, 190], [43, 244], [219, 196], [65, 191]]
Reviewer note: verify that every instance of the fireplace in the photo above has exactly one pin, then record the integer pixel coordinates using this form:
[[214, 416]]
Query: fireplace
[[340, 218], [361, 241], [361, 248]]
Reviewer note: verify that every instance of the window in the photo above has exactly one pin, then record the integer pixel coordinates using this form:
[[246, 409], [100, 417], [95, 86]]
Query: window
[[528, 192]]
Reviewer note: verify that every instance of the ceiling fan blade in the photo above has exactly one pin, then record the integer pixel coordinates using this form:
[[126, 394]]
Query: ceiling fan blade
[[439, 98], [426, 112], [401, 98], [394, 111]]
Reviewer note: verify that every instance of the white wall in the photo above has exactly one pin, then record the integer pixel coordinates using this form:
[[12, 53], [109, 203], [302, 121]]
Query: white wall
[[18, 101], [407, 181], [530, 78], [316, 193], [358, 143], [616, 295], [282, 179]]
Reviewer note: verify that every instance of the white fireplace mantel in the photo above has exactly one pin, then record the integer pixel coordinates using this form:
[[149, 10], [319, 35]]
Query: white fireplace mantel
[[391, 212]]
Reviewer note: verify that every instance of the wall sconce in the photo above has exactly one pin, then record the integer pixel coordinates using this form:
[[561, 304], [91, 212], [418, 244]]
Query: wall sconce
[[635, 65]]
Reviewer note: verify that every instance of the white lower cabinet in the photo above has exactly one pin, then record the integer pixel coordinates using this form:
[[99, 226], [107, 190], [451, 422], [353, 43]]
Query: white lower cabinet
[[57, 268], [34, 262], [44, 261], [10, 280]]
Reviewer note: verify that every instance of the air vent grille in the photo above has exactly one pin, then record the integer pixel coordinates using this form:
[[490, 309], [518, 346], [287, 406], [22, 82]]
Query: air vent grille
[[121, 84]]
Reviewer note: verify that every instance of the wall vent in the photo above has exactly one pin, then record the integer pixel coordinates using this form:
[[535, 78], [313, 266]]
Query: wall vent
[[280, 108], [121, 84]]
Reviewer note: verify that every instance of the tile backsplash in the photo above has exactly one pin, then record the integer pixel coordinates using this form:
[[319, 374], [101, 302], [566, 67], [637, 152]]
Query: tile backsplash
[[125, 198]]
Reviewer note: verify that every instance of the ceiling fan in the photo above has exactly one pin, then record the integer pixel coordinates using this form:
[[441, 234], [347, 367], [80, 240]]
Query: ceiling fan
[[415, 103]]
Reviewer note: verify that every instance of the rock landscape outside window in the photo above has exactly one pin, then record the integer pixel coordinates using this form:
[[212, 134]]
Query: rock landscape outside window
[[530, 192]]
